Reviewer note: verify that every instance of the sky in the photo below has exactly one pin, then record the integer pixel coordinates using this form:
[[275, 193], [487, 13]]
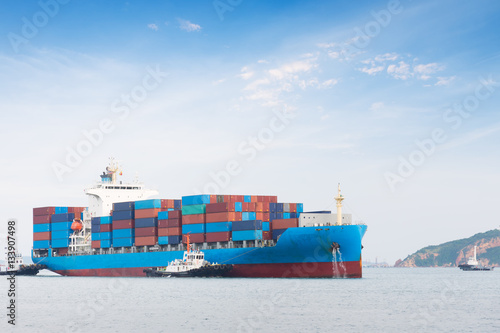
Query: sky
[[396, 100]]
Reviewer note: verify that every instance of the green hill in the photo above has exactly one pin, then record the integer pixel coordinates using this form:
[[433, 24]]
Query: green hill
[[455, 252]]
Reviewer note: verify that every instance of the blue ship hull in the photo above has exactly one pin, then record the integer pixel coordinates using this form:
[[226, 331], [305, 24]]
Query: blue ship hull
[[299, 252]]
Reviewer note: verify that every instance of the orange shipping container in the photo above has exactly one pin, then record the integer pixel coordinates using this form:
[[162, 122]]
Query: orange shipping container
[[193, 219], [285, 223], [96, 244], [146, 213], [177, 231], [162, 232], [264, 217], [143, 241], [222, 217]]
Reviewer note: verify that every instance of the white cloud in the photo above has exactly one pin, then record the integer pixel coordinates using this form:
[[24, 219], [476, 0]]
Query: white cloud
[[423, 71], [372, 70], [386, 57], [255, 84], [291, 68], [153, 26], [262, 61], [402, 71], [377, 106], [246, 73], [444, 81], [326, 45], [217, 82], [329, 83], [188, 26]]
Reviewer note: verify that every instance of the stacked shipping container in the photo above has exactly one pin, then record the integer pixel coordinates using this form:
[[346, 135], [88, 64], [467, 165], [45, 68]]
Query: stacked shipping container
[[123, 224]]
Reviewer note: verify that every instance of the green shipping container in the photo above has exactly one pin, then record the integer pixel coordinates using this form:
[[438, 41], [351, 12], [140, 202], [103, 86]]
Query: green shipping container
[[193, 209]]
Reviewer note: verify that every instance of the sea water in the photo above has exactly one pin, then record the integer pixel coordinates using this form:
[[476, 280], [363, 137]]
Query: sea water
[[384, 300]]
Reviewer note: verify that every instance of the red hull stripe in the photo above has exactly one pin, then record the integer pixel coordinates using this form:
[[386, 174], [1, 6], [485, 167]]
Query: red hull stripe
[[349, 269]]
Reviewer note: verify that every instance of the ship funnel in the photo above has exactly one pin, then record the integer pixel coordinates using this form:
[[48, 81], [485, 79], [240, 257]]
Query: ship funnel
[[339, 198]]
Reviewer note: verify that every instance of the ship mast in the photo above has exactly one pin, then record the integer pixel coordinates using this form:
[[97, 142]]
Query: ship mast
[[339, 198]]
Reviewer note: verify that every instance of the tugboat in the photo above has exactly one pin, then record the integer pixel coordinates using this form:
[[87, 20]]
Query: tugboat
[[193, 264], [473, 265], [17, 267]]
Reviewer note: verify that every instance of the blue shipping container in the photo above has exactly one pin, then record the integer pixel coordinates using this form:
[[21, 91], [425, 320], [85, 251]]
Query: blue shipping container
[[293, 215], [277, 233], [61, 234], [198, 228], [64, 217], [123, 233], [106, 219], [248, 216], [95, 228], [61, 226], [247, 225], [174, 239], [123, 206], [272, 216], [96, 236], [177, 204], [196, 199], [123, 215], [218, 227], [123, 242], [42, 244], [43, 227], [60, 210], [95, 220], [105, 243], [300, 208], [148, 204], [105, 235], [279, 216], [265, 226], [146, 222], [163, 215], [279, 208], [247, 235], [247, 198], [272, 207], [163, 240], [58, 243], [286, 215], [238, 207]]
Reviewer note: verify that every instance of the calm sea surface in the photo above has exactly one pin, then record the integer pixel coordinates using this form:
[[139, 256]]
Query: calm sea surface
[[384, 300]]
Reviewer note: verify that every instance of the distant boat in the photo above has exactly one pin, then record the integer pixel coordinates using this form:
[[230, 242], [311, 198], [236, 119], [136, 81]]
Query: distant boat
[[17, 267], [473, 265]]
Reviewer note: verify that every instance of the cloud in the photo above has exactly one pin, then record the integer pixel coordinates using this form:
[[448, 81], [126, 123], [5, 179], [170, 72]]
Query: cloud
[[444, 81], [153, 26], [402, 71], [217, 82], [188, 26], [386, 57], [377, 106], [291, 68], [246, 73], [423, 71], [262, 61], [372, 70]]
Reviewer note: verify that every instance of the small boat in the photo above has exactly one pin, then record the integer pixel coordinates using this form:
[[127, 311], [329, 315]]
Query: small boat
[[193, 264], [17, 267], [473, 265]]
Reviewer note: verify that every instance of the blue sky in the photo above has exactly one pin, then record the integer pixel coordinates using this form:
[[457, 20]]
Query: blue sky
[[364, 87]]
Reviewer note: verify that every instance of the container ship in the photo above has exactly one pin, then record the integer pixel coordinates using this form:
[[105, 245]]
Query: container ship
[[122, 232]]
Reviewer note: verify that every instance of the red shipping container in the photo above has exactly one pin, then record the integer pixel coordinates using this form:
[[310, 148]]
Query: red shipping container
[[222, 217], [267, 235], [75, 209], [227, 198], [273, 199], [143, 232], [177, 231], [249, 206], [293, 208], [143, 241], [162, 224], [44, 211], [264, 217], [41, 219], [167, 204], [262, 207], [106, 227], [213, 198], [175, 214], [146, 213], [123, 224], [193, 219], [218, 236], [171, 223], [220, 207], [194, 238], [37, 236], [162, 232], [63, 251], [96, 244], [285, 223]]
